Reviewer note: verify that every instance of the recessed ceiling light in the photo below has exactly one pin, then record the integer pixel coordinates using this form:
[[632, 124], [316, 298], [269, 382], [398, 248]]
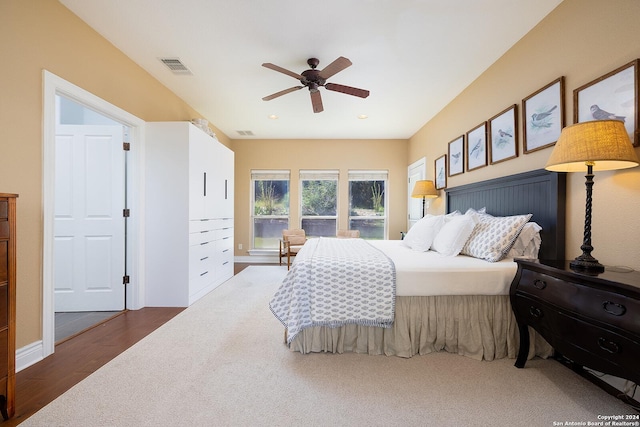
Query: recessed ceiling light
[[362, 116], [273, 116]]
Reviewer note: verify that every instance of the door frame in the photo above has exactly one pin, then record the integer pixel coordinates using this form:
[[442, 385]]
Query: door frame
[[52, 86], [421, 166]]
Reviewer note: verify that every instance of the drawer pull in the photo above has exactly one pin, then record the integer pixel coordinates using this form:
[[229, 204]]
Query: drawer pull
[[225, 263], [204, 243], [202, 259], [540, 284], [226, 250], [535, 312], [608, 346], [205, 231], [202, 274], [614, 308]]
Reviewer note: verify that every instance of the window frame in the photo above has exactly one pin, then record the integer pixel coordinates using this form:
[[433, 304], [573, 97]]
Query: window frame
[[267, 175], [318, 175], [370, 175]]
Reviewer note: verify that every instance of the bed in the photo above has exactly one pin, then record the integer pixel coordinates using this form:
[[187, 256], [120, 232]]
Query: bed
[[459, 304]]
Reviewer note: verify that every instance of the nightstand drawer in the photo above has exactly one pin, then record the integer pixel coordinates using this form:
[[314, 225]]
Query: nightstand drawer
[[607, 345], [550, 289], [608, 307], [541, 317]]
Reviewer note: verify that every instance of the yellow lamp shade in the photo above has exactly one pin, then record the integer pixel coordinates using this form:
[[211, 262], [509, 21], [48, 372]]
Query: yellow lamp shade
[[424, 188], [604, 144]]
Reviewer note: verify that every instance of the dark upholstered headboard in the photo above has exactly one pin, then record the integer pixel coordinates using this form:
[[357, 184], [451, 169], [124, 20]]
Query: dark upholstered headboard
[[539, 192]]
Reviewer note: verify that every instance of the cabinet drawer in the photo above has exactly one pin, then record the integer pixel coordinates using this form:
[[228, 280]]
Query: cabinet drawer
[[4, 209], [4, 229], [548, 288], [224, 233], [607, 345], [202, 237], [540, 316], [608, 307], [203, 225], [201, 259]]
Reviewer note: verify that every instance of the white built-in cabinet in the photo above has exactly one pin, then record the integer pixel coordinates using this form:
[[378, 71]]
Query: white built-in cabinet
[[189, 214]]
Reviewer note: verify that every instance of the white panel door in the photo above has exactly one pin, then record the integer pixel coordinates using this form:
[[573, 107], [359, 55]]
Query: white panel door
[[416, 172], [89, 237]]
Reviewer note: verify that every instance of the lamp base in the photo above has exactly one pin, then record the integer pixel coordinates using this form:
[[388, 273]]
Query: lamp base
[[586, 265]]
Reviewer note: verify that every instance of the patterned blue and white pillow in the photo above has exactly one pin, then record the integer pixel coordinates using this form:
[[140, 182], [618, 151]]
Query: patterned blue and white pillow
[[493, 236]]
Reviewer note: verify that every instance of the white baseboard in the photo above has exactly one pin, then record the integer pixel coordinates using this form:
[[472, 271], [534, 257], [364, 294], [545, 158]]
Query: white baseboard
[[29, 355]]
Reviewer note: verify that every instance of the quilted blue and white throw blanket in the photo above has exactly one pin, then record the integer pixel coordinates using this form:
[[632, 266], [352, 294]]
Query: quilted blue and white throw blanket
[[334, 282]]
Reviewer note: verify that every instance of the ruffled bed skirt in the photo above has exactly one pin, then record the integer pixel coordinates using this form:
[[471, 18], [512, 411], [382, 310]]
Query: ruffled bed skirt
[[482, 327]]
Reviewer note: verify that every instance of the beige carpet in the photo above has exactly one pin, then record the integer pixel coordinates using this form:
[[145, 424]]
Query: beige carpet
[[221, 362]]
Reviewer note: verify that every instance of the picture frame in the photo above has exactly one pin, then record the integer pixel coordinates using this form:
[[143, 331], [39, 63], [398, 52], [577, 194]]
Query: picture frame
[[611, 96], [503, 135], [476, 147], [441, 172], [543, 116], [456, 156]]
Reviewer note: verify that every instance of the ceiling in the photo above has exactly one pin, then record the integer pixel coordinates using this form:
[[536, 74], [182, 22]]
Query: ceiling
[[414, 56]]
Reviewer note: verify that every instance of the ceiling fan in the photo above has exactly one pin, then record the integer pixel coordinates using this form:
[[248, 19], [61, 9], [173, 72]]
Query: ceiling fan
[[313, 79]]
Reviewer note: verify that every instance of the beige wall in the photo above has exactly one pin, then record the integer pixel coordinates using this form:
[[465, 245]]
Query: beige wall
[[581, 40], [334, 154], [42, 34]]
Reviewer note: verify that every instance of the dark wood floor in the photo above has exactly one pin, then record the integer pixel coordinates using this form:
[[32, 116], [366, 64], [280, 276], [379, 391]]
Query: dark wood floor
[[76, 358]]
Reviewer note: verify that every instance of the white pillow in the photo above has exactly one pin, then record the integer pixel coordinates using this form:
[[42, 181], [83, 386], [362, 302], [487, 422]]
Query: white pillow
[[527, 244], [454, 234], [420, 236], [494, 236]]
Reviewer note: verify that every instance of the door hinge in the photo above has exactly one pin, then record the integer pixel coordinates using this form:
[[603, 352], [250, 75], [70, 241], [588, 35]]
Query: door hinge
[[126, 213], [126, 146], [125, 280]]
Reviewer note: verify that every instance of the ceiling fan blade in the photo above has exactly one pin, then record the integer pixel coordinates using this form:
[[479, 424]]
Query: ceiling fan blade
[[282, 92], [316, 102], [347, 89], [335, 67], [282, 70]]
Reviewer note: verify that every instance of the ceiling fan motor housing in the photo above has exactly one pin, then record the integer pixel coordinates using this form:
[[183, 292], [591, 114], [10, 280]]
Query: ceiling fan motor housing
[[311, 79]]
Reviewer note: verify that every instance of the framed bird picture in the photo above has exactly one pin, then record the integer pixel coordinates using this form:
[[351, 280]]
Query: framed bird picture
[[613, 96], [476, 142], [503, 135], [543, 116], [441, 172], [456, 156]]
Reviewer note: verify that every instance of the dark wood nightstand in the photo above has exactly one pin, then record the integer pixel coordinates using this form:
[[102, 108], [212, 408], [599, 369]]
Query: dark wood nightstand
[[594, 321]]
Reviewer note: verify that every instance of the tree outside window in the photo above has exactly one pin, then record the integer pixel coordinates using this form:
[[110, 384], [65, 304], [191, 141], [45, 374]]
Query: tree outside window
[[270, 207], [367, 203], [319, 203]]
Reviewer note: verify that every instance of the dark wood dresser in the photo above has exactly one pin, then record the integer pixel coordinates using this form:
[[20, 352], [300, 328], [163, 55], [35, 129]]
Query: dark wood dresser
[[7, 303], [594, 321]]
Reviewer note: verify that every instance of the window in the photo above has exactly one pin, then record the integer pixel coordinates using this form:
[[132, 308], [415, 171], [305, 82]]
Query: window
[[367, 203], [270, 207], [319, 202]]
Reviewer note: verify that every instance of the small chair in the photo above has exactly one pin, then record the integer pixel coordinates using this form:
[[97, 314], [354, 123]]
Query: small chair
[[348, 234], [291, 243]]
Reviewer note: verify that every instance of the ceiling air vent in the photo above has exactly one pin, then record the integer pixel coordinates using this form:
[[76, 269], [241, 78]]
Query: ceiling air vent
[[245, 132], [175, 65]]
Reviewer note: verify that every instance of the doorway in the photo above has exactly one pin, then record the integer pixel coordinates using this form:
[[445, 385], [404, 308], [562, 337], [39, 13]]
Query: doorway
[[89, 225], [57, 90], [416, 172]]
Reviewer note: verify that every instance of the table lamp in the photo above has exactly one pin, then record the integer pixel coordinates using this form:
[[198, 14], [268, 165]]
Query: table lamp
[[424, 189], [591, 146]]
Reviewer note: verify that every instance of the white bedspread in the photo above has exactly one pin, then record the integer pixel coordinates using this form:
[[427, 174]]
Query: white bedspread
[[334, 282], [431, 274]]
